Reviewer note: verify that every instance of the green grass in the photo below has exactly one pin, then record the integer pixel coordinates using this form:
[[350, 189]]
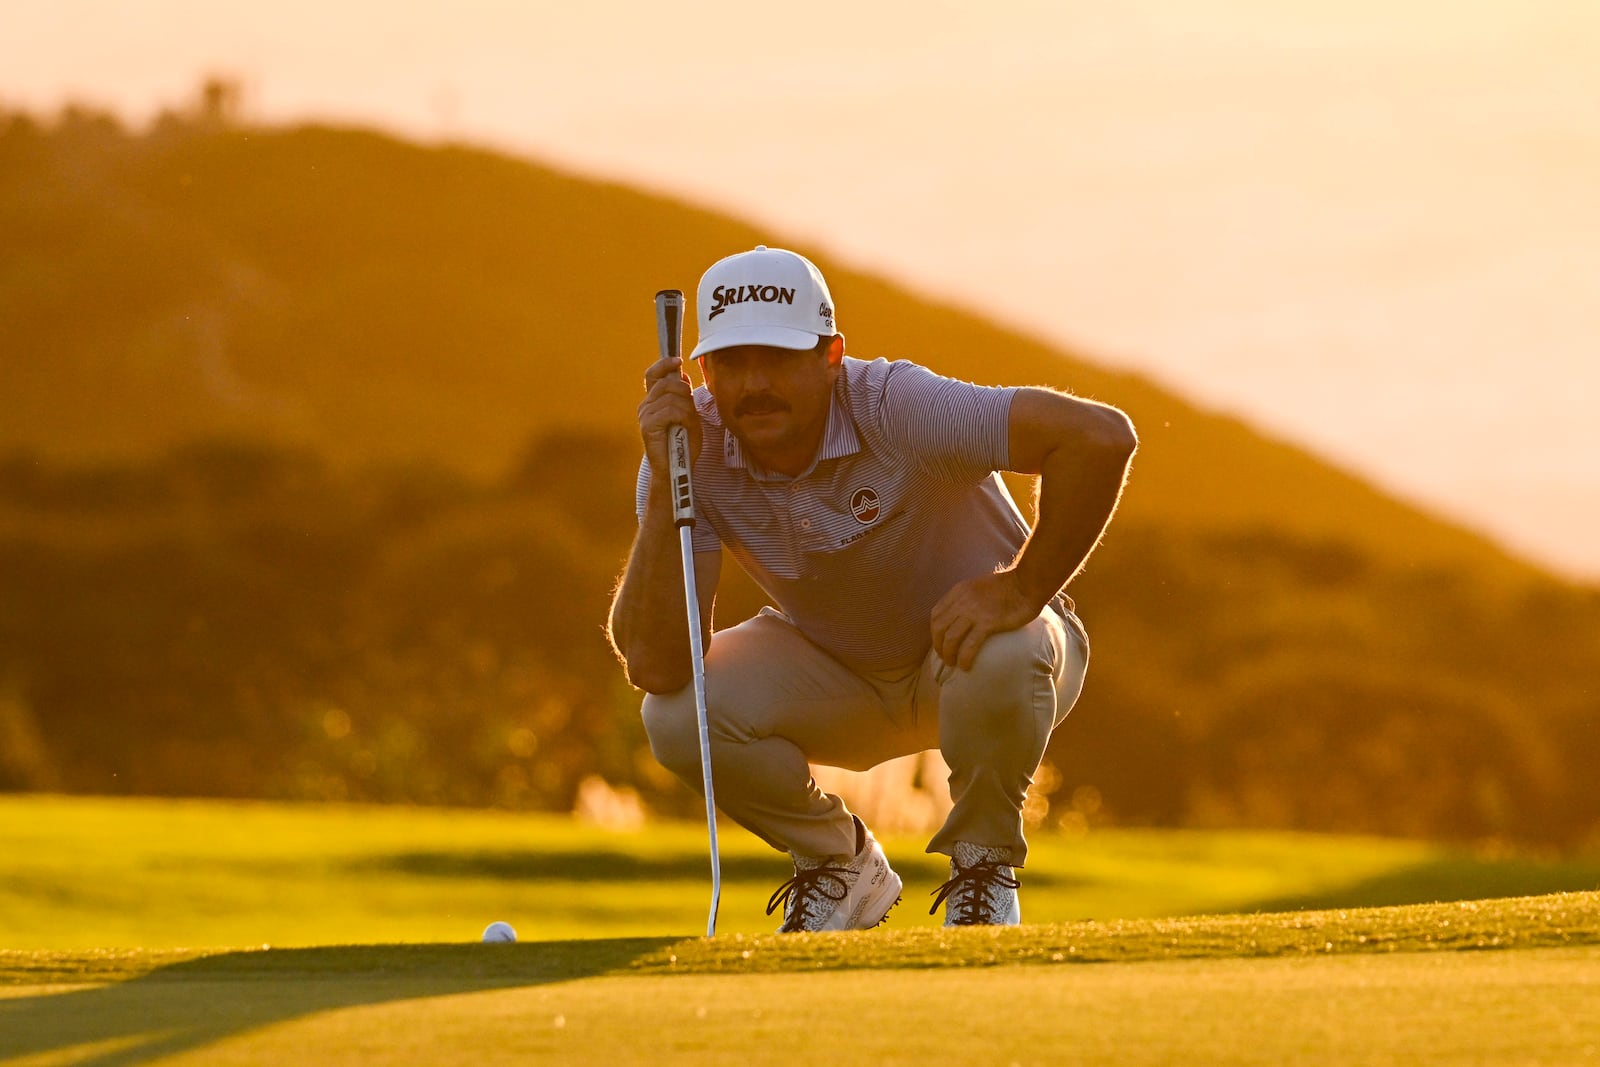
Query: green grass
[[1116, 966], [84, 873], [1562, 920], [1515, 980]]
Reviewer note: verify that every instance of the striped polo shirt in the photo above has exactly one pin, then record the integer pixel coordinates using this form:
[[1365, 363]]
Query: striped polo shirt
[[902, 502]]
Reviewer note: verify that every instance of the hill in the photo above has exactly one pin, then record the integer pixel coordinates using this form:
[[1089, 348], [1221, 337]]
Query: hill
[[375, 300], [321, 445]]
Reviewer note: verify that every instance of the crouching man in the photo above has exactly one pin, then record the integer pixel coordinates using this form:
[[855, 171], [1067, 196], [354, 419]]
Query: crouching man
[[915, 609]]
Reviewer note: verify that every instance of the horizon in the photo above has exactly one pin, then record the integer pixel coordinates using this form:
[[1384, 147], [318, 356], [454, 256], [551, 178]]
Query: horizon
[[1413, 185]]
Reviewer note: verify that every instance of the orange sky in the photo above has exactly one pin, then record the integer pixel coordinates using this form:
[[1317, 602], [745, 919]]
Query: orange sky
[[1368, 226]]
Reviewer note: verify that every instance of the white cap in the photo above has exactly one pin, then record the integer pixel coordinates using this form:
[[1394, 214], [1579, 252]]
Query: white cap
[[769, 296]]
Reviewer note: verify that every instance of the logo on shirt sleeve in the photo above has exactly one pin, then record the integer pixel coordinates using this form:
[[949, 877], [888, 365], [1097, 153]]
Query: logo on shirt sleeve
[[864, 505]]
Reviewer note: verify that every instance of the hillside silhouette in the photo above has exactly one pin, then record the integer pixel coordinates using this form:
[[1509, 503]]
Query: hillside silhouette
[[320, 448]]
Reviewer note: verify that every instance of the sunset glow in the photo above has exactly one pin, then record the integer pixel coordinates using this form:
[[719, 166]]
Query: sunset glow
[[1366, 227]]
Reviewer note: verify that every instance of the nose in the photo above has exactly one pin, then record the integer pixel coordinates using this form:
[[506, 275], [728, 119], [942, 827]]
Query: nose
[[757, 376]]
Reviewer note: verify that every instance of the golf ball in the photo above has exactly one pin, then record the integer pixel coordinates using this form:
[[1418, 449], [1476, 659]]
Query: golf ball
[[498, 932]]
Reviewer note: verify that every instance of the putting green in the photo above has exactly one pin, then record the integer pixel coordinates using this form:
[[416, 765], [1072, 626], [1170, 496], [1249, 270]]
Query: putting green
[[1155, 979], [1489, 981], [1516, 1007], [1525, 1006]]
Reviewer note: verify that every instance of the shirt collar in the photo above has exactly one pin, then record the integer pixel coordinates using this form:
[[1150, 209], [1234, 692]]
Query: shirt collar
[[838, 439]]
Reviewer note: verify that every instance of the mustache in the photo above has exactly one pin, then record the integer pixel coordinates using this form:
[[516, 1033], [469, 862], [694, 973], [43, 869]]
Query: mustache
[[759, 404]]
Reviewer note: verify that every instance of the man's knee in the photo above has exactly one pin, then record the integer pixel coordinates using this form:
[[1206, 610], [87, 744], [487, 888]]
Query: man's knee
[[672, 725], [1016, 661], [1021, 651], [1011, 688]]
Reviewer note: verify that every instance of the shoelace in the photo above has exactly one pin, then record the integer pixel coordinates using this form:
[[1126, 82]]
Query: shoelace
[[805, 888], [975, 883]]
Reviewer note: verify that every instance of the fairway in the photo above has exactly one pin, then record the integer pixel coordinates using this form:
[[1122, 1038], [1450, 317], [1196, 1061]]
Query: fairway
[[84, 872]]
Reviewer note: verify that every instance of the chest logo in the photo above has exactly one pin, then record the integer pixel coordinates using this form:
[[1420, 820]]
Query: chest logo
[[864, 505]]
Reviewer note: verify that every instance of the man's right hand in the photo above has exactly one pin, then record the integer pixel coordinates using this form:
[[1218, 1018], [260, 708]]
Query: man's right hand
[[668, 401]]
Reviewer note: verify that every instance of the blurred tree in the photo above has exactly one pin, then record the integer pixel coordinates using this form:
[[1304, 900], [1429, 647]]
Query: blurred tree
[[221, 103], [273, 525]]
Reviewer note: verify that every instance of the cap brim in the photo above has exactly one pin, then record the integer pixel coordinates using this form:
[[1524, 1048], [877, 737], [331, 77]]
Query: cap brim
[[771, 336]]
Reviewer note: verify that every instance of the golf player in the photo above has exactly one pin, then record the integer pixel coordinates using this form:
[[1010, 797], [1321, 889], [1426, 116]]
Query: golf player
[[914, 608]]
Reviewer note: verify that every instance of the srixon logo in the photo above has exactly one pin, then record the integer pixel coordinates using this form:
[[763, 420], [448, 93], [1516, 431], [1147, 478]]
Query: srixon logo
[[723, 295]]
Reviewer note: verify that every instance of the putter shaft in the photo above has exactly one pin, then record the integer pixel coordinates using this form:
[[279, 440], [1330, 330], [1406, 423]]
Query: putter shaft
[[669, 333], [697, 655]]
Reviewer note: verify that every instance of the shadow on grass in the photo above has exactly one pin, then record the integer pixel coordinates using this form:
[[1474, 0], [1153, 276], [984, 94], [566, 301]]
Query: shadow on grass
[[514, 865], [597, 867], [195, 1003], [1445, 880]]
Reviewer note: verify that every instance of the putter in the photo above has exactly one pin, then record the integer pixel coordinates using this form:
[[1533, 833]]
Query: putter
[[669, 331]]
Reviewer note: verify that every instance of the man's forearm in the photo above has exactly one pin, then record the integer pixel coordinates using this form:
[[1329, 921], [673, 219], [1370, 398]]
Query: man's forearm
[[1075, 502], [649, 617]]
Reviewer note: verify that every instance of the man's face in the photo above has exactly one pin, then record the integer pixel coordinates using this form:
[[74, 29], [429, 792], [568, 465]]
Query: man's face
[[774, 400]]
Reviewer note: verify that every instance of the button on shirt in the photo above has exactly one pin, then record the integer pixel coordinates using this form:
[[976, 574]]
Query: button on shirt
[[902, 502]]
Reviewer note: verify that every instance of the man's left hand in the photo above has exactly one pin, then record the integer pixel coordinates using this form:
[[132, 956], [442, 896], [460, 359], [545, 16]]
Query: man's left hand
[[973, 610]]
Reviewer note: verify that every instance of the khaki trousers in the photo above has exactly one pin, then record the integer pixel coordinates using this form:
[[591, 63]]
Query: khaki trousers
[[776, 703]]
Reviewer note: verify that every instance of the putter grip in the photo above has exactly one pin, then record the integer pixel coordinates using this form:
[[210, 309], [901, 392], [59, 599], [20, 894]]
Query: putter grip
[[682, 484], [669, 335]]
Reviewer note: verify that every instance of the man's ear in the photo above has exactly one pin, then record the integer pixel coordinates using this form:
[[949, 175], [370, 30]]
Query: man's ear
[[836, 350]]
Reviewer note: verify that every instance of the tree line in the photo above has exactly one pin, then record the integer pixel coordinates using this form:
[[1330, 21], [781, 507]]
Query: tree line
[[248, 620]]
